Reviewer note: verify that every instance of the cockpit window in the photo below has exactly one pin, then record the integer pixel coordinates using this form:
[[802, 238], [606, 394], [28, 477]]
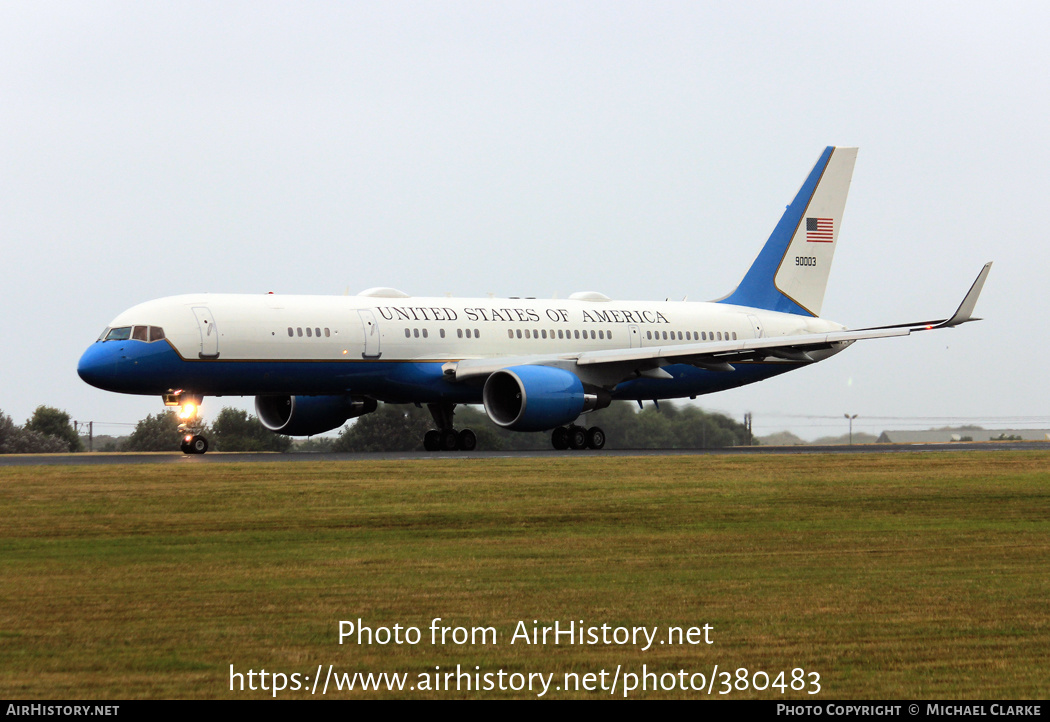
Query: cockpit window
[[135, 333], [119, 334], [102, 336]]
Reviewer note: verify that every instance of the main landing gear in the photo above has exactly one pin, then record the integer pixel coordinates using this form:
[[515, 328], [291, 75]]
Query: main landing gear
[[577, 437], [445, 437]]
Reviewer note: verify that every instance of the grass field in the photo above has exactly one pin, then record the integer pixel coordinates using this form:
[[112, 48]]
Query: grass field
[[890, 575]]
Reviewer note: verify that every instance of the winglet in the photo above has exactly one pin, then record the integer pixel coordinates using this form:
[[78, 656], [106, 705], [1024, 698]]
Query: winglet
[[962, 314], [965, 311]]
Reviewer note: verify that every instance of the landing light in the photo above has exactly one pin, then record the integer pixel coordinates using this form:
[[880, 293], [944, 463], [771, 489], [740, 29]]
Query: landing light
[[189, 438], [188, 411]]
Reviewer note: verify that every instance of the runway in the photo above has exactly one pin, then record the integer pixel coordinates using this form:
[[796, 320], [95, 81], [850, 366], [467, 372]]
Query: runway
[[175, 457]]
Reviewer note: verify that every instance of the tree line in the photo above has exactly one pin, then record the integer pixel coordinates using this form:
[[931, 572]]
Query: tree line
[[392, 427], [48, 431], [51, 430], [401, 428]]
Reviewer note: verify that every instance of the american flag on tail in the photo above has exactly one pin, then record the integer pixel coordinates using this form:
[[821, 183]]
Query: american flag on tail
[[820, 230]]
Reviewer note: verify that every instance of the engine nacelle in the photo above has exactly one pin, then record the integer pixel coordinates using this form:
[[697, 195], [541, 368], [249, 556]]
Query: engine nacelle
[[536, 398], [309, 415]]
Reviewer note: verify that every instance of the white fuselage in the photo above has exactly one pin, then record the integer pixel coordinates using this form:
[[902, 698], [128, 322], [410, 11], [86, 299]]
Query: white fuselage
[[354, 328]]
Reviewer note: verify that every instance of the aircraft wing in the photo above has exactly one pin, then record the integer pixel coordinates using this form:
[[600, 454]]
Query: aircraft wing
[[611, 366], [615, 365]]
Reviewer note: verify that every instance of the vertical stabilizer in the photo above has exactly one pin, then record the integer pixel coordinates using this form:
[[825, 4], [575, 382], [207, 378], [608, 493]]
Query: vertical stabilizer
[[790, 273]]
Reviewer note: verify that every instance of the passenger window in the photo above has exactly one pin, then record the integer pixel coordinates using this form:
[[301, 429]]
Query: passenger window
[[477, 333], [326, 334], [544, 333], [601, 335], [510, 333], [528, 334], [408, 334], [309, 332], [734, 335], [140, 333], [299, 331], [317, 332], [519, 333], [425, 334], [608, 335], [415, 332], [290, 332], [560, 332], [468, 333], [442, 332], [592, 334], [459, 333]]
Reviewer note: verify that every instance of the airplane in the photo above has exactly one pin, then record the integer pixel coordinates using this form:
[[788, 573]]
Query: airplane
[[314, 362]]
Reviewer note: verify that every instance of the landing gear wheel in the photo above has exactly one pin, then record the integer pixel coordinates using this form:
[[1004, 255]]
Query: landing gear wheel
[[449, 440], [595, 438], [185, 446], [577, 437], [432, 440], [468, 440], [198, 445], [560, 438]]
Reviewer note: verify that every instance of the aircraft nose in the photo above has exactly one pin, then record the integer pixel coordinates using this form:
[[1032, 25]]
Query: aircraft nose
[[98, 364]]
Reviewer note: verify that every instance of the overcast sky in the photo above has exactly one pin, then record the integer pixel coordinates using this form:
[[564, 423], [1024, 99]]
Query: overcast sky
[[644, 150]]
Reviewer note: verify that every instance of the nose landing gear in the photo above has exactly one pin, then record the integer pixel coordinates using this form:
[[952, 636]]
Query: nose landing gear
[[194, 444], [190, 426]]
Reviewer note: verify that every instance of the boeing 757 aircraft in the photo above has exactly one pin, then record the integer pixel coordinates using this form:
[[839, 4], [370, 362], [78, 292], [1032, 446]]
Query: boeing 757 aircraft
[[313, 362]]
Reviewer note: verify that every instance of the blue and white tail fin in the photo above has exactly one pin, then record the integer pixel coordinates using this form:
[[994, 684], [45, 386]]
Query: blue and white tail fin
[[791, 271]]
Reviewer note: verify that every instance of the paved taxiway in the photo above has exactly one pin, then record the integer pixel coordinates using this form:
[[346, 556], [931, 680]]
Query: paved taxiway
[[245, 457]]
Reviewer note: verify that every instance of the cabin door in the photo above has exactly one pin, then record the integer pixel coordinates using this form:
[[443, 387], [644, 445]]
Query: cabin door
[[371, 331], [209, 332], [757, 325]]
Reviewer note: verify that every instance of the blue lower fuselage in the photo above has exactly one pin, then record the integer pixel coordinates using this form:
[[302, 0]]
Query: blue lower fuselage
[[135, 367]]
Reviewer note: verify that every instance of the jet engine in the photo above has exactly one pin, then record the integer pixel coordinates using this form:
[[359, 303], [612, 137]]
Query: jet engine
[[537, 398], [309, 415]]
